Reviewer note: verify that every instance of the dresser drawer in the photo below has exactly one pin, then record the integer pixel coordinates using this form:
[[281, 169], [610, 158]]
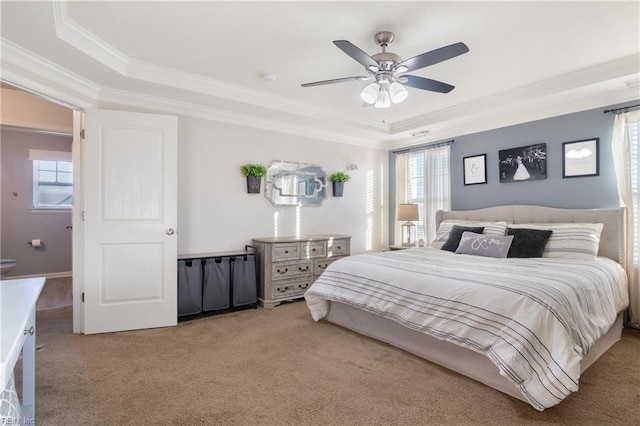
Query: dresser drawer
[[319, 265], [285, 251], [314, 249], [283, 270], [340, 247], [290, 288]]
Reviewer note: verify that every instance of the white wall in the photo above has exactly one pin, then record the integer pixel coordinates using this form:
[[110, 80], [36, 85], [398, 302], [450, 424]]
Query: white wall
[[215, 213]]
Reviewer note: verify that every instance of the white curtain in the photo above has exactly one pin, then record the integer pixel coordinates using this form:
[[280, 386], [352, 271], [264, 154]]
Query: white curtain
[[402, 188], [423, 178], [624, 145], [437, 187]]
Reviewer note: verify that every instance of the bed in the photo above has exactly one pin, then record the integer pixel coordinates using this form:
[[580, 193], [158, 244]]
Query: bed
[[560, 313]]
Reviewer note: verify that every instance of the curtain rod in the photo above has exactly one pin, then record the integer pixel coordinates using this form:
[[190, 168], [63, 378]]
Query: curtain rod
[[625, 109], [423, 147]]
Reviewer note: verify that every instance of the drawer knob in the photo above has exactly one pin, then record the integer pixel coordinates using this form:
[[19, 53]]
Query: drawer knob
[[283, 272], [339, 247], [286, 252], [303, 269], [313, 249]]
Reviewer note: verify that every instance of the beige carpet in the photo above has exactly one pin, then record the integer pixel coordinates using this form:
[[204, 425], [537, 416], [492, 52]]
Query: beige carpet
[[278, 367], [56, 293]]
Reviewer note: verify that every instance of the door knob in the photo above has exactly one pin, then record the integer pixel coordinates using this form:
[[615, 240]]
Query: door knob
[[170, 231]]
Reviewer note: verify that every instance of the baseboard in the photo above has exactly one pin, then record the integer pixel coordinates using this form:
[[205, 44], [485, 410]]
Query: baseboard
[[49, 275]]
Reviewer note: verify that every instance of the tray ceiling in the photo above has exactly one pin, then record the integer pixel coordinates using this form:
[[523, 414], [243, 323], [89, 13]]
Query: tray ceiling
[[527, 60]]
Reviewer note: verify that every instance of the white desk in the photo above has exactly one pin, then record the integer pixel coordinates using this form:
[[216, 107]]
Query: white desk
[[18, 333]]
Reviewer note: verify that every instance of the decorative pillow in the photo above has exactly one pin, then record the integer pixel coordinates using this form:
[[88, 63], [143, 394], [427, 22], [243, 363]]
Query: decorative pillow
[[485, 245], [569, 240], [528, 242], [456, 233], [490, 228]]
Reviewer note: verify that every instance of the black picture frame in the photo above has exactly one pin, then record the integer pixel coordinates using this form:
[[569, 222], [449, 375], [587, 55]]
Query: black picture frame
[[474, 169], [581, 158], [523, 163]]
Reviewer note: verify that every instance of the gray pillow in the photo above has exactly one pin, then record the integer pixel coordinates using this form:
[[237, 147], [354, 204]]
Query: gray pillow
[[485, 245], [456, 233]]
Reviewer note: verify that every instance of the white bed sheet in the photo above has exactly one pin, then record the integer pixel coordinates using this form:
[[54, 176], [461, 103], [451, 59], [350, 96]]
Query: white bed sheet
[[535, 319]]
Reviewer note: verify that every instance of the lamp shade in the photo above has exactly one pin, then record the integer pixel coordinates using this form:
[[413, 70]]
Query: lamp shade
[[384, 100], [370, 93], [407, 212], [398, 92]]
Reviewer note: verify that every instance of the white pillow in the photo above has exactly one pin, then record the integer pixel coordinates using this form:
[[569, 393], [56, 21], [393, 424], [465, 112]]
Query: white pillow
[[490, 228], [569, 240]]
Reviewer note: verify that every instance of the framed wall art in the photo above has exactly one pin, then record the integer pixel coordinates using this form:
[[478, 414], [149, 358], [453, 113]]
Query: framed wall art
[[581, 158], [475, 169], [523, 163]]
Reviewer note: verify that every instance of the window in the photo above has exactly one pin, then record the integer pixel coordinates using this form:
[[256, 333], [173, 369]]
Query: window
[[52, 184], [422, 178]]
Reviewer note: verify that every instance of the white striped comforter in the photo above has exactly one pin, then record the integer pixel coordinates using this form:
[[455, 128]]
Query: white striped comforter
[[534, 318]]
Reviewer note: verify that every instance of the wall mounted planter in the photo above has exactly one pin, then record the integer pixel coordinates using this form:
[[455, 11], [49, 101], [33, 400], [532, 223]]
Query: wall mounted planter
[[253, 184], [338, 188]]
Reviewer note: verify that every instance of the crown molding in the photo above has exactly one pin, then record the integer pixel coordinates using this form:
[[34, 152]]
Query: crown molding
[[25, 60], [91, 93], [585, 77], [87, 42], [169, 106], [538, 109]]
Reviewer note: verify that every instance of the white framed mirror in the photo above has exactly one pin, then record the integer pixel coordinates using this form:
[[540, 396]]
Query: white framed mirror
[[295, 184]]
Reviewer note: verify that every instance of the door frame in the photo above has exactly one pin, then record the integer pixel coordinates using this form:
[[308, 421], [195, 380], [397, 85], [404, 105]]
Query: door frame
[[77, 247]]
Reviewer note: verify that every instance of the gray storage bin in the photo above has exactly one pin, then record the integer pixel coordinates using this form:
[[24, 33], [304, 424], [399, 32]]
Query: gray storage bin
[[216, 284], [245, 291], [189, 287]]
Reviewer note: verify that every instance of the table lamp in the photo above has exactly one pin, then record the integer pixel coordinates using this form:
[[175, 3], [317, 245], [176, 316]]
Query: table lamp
[[407, 213]]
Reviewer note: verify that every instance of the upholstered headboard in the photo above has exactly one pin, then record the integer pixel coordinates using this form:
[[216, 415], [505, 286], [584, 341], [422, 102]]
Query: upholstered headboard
[[612, 239]]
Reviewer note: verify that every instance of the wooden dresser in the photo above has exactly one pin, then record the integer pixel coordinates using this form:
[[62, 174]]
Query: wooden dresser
[[287, 266]]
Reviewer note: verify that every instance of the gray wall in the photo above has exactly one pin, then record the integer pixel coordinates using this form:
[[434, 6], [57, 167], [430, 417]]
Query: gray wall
[[18, 223], [554, 191]]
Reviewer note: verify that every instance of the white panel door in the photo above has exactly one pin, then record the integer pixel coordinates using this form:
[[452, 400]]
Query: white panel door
[[130, 215]]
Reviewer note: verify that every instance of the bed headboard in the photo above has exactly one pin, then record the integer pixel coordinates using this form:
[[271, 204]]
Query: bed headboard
[[612, 239]]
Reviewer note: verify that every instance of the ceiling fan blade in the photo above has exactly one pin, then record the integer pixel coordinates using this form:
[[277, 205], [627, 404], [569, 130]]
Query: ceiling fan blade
[[434, 56], [427, 84], [357, 54], [338, 80]]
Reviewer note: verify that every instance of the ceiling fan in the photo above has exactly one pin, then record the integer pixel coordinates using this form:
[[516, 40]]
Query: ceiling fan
[[388, 70]]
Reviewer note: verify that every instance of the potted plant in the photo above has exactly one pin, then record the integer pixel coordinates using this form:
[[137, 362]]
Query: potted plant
[[254, 174], [338, 179]]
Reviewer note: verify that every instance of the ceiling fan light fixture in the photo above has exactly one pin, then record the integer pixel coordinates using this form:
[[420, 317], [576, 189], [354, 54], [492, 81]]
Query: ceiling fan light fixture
[[397, 92], [384, 99], [401, 69], [388, 70], [370, 93]]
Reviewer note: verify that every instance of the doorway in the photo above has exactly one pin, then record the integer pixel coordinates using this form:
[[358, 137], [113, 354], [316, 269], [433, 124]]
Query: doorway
[[37, 139]]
